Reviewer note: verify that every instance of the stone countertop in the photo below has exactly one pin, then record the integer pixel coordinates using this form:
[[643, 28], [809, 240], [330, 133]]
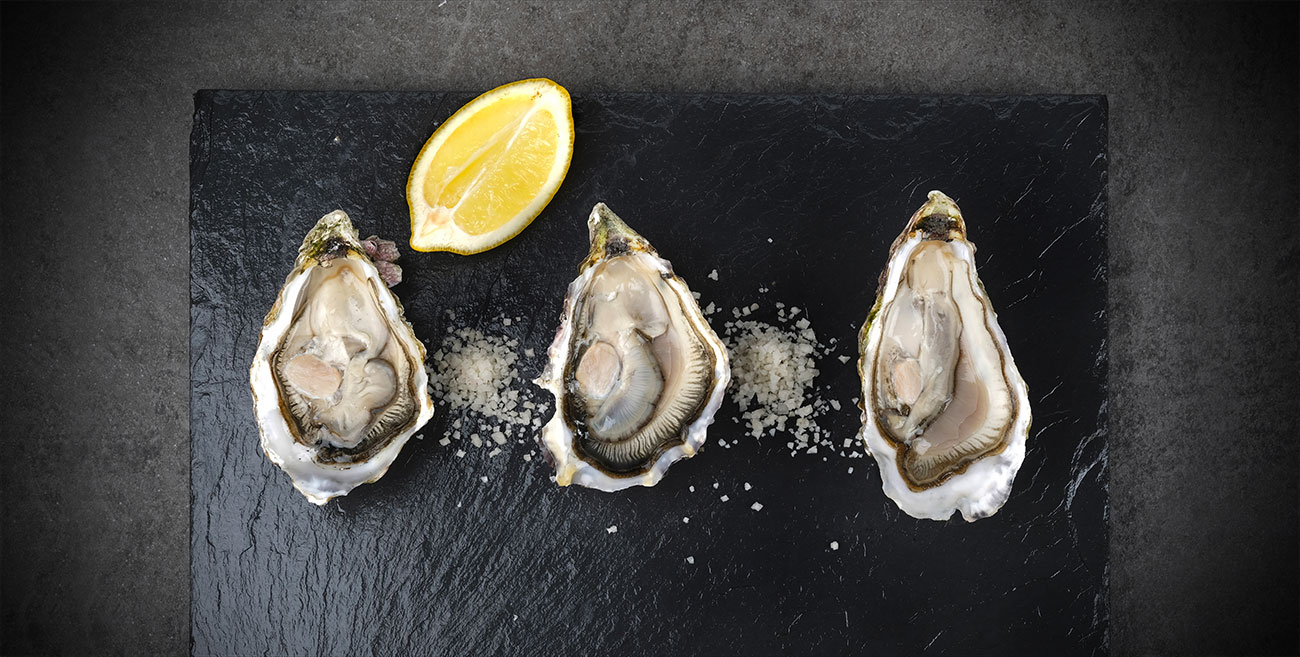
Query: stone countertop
[[1204, 251]]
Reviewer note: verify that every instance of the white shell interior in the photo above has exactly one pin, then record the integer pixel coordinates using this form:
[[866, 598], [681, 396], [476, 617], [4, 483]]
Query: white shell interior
[[348, 356], [982, 396], [632, 274]]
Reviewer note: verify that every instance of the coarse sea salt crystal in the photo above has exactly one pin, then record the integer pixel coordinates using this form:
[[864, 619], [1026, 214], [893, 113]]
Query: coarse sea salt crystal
[[773, 372], [835, 545], [475, 374], [612, 529], [757, 506]]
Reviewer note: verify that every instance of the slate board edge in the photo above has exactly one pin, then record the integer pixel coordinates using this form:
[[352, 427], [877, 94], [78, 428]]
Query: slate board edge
[[198, 150]]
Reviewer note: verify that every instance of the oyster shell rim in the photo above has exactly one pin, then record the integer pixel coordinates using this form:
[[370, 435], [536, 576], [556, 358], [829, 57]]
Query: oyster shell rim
[[557, 436], [993, 472], [332, 237]]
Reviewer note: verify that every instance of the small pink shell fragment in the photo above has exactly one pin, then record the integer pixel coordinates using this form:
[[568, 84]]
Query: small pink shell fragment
[[391, 273], [380, 249]]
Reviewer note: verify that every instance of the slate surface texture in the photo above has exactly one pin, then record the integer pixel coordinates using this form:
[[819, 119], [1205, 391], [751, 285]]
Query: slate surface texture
[[432, 559]]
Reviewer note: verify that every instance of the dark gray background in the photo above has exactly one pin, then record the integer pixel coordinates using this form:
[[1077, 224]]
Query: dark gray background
[[1204, 252]]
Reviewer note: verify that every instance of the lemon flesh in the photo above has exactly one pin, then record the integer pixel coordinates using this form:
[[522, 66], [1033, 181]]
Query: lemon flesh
[[491, 168]]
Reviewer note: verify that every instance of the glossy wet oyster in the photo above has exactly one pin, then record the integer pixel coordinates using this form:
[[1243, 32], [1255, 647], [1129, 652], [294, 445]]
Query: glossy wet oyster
[[338, 380], [945, 411], [636, 370]]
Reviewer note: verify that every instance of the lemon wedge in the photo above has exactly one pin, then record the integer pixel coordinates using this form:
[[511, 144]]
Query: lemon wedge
[[488, 171]]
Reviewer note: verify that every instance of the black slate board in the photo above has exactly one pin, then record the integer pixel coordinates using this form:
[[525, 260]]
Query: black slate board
[[433, 560]]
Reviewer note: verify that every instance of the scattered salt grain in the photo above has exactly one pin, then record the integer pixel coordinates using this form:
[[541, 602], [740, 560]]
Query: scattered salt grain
[[692, 489], [612, 529], [835, 545], [444, 441], [483, 479], [690, 560], [774, 368], [747, 486], [686, 519], [757, 506], [713, 275], [845, 359], [724, 498], [474, 375]]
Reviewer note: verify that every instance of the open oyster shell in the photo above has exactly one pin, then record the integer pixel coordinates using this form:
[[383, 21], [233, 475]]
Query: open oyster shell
[[945, 411], [338, 380], [636, 370]]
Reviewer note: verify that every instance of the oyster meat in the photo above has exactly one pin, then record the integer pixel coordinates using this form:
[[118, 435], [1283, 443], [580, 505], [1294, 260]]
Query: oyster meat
[[945, 411], [636, 370], [338, 380]]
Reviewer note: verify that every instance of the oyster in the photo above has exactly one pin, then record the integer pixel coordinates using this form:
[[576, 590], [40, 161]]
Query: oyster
[[636, 370], [945, 411], [338, 381]]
